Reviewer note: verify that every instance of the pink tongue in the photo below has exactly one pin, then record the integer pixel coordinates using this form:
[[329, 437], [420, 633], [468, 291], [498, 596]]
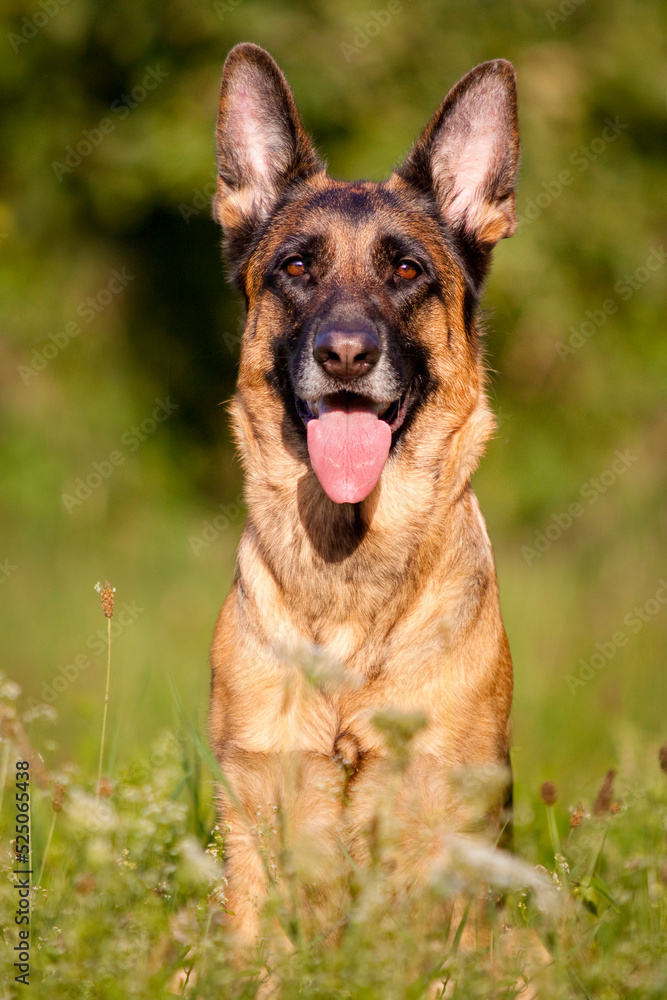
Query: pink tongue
[[348, 449]]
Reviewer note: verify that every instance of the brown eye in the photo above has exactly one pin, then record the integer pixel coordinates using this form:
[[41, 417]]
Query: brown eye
[[408, 269], [295, 267]]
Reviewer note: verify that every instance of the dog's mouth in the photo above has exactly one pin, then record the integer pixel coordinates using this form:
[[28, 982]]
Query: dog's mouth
[[349, 437], [393, 413]]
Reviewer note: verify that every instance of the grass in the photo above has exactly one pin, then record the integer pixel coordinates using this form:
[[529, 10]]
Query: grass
[[130, 901], [128, 893]]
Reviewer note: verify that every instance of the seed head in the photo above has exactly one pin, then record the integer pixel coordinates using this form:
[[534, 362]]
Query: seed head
[[577, 814], [105, 787], [603, 801], [662, 757], [58, 797], [84, 884], [549, 793], [106, 593]]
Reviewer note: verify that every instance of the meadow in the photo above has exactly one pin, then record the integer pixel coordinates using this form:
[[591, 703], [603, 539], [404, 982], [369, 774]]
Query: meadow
[[121, 887], [119, 349]]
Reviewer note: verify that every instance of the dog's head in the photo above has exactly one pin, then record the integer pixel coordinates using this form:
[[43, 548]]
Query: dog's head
[[361, 296]]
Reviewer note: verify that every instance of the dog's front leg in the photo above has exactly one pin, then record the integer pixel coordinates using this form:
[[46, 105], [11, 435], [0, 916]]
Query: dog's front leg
[[282, 814]]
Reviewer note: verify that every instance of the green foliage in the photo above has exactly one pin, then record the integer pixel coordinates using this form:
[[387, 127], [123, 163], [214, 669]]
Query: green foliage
[[129, 902], [575, 344]]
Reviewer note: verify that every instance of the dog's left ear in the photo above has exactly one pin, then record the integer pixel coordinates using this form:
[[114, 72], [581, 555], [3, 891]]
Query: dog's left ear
[[467, 157]]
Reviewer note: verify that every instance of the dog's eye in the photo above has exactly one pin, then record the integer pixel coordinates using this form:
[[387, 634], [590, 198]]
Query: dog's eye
[[295, 267], [408, 269]]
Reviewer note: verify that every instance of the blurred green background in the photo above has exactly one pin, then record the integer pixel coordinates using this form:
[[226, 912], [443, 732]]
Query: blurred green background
[[120, 344]]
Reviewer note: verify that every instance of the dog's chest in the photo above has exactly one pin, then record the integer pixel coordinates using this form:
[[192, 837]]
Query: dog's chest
[[307, 702]]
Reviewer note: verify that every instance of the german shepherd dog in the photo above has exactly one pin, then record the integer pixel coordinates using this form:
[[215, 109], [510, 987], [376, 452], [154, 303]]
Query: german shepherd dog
[[360, 417]]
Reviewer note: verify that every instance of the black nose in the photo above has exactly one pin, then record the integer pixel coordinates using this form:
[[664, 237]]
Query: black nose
[[346, 354]]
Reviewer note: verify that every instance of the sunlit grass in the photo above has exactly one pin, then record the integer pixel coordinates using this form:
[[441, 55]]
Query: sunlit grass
[[128, 894]]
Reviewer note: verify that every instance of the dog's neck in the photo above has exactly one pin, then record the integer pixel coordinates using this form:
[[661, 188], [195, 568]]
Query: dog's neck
[[410, 527]]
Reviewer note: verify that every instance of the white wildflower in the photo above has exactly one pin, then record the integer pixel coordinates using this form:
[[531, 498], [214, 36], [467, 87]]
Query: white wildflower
[[197, 864], [483, 862], [89, 813], [9, 689]]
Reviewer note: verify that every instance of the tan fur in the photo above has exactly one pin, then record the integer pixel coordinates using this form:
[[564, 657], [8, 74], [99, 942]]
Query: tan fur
[[400, 589]]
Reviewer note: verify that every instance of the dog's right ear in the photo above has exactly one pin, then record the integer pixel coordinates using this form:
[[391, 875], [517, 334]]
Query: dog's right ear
[[261, 144]]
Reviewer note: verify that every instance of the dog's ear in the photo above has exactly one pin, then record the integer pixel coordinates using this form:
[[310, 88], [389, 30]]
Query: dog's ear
[[261, 144], [467, 157]]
